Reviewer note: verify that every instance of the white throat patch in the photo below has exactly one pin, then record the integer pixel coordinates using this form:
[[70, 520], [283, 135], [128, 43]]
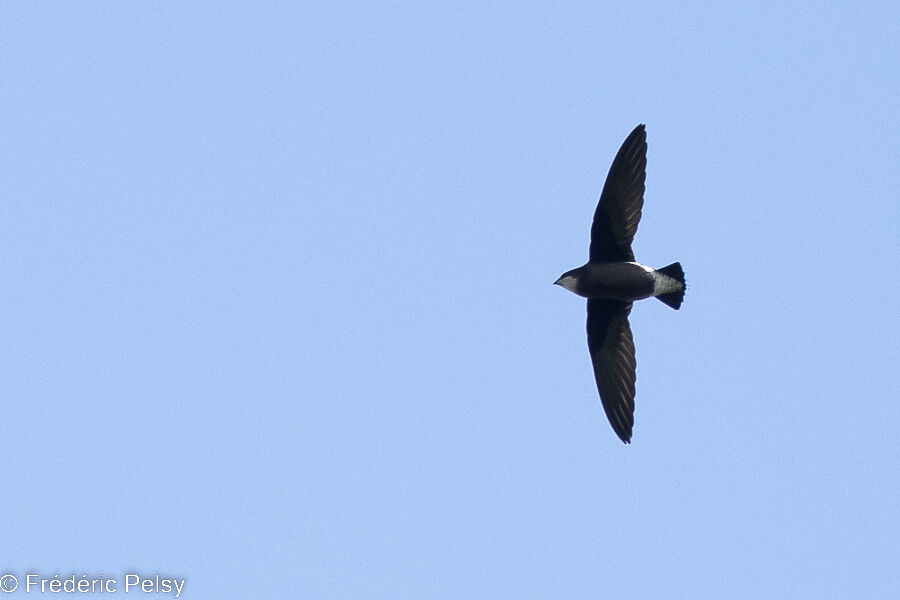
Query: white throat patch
[[568, 282]]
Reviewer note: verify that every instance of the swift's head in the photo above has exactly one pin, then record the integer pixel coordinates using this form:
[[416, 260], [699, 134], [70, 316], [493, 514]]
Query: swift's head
[[569, 280]]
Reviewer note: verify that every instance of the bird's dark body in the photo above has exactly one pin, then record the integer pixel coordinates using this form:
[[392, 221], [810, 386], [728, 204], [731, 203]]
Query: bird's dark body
[[611, 280], [626, 281]]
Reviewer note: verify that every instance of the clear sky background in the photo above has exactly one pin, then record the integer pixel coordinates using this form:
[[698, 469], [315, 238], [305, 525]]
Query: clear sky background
[[277, 309]]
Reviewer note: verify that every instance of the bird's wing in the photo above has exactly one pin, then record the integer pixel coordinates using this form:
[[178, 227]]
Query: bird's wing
[[619, 209], [612, 354]]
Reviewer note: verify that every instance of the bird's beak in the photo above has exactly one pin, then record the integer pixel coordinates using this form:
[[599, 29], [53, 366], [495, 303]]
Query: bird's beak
[[557, 281]]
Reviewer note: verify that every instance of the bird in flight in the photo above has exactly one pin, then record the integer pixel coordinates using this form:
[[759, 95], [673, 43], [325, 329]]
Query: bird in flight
[[611, 280]]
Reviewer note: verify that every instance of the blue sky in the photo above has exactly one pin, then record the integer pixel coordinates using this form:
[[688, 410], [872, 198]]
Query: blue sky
[[278, 319]]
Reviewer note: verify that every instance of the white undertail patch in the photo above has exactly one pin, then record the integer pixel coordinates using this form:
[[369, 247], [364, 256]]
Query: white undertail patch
[[663, 284]]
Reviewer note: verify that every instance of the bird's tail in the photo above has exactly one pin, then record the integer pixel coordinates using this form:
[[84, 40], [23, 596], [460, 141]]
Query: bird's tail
[[675, 298]]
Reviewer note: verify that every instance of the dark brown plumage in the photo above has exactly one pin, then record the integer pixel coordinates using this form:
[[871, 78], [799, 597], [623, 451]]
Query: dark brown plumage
[[611, 281]]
